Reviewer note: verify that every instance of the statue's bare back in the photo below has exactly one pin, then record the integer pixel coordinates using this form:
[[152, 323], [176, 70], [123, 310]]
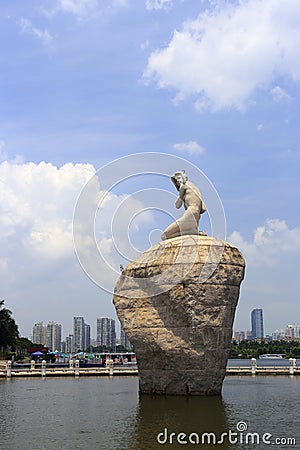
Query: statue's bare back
[[191, 197]]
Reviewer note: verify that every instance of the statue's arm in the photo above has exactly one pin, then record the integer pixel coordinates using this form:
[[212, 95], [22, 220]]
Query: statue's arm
[[180, 198]]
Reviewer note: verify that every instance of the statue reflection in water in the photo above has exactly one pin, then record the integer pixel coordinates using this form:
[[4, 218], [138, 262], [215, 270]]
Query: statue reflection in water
[[158, 417]]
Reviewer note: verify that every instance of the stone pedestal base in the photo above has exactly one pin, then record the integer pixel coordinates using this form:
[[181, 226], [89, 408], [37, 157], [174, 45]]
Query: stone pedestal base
[[176, 304]]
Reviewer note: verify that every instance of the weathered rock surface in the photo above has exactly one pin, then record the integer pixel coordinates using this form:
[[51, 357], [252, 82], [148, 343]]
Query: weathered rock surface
[[176, 304]]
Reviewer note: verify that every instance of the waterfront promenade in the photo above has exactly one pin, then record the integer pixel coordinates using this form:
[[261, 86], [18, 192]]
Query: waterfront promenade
[[73, 369], [8, 371]]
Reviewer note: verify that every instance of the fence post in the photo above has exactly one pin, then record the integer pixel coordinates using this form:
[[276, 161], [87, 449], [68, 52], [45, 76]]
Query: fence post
[[77, 368], [253, 366], [292, 362], [8, 369], [43, 368], [32, 364], [110, 366], [295, 364]]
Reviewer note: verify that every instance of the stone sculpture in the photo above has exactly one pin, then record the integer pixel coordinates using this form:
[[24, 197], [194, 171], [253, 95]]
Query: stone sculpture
[[190, 196], [177, 302]]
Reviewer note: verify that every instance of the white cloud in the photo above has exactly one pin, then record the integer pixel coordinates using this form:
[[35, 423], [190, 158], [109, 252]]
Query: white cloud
[[229, 52], [271, 279], [190, 147], [37, 203], [78, 7], [270, 242], [84, 9], [3, 153], [259, 127], [279, 95], [40, 276], [158, 4], [43, 35], [39, 271], [144, 45], [18, 159]]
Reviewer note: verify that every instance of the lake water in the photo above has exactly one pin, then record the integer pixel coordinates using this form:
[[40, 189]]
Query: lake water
[[107, 413]]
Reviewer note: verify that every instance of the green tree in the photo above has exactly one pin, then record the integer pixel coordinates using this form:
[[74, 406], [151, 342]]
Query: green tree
[[249, 349], [22, 345], [9, 332]]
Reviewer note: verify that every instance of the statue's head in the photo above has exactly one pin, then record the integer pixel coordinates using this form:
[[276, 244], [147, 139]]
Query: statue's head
[[179, 178]]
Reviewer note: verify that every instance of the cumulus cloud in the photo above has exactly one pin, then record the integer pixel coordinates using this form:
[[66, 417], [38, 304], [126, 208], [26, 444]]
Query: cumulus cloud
[[270, 242], [158, 4], [43, 35], [228, 52], [37, 203], [39, 270], [190, 147], [271, 280]]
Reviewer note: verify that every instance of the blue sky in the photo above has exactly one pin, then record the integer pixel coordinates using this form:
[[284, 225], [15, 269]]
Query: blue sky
[[83, 83]]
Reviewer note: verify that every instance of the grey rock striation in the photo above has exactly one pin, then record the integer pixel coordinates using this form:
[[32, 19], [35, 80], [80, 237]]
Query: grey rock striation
[[177, 303]]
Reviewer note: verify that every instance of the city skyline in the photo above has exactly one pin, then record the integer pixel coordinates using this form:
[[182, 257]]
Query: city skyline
[[257, 327], [50, 335], [289, 330], [39, 330], [269, 330], [86, 83]]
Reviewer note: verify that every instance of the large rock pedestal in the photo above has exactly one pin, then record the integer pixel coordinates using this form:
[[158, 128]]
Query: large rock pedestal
[[176, 304]]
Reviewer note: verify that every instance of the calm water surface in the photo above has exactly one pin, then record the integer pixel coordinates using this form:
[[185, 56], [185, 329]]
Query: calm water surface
[[102, 413]]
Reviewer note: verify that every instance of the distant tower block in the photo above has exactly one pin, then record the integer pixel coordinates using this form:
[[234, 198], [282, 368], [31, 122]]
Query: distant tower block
[[257, 324]]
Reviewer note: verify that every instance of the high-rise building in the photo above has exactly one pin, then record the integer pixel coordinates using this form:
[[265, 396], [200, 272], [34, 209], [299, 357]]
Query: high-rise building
[[278, 335], [78, 332], [70, 344], [87, 336], [82, 334], [248, 335], [124, 341], [257, 324], [239, 336], [106, 332], [39, 334], [292, 331], [242, 335], [54, 336]]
